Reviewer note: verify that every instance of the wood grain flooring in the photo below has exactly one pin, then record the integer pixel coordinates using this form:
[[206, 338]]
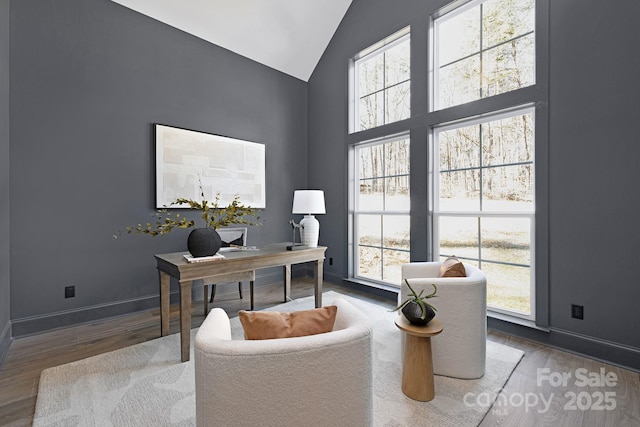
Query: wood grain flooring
[[530, 397]]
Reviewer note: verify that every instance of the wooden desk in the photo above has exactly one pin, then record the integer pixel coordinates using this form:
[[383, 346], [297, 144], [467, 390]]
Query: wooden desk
[[417, 366], [174, 265]]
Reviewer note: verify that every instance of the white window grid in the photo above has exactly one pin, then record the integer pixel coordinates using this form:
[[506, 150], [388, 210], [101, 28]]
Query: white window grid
[[437, 213], [449, 12], [354, 81], [357, 211]]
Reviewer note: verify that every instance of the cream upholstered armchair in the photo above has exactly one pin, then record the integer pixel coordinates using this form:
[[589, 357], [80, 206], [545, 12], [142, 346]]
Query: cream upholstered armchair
[[319, 380], [461, 303]]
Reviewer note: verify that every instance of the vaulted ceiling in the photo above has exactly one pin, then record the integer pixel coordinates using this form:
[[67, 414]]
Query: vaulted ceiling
[[288, 35]]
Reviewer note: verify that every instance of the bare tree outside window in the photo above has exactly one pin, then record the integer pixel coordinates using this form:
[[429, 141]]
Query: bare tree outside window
[[486, 50], [382, 93], [485, 204], [381, 216]]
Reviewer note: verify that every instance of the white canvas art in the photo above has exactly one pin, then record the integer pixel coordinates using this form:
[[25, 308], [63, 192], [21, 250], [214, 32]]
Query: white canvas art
[[187, 160]]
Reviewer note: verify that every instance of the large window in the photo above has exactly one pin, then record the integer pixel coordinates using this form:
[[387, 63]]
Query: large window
[[483, 48], [381, 86], [480, 152], [484, 203], [381, 209], [483, 166]]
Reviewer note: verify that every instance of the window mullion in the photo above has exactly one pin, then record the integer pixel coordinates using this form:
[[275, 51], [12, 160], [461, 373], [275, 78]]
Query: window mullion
[[480, 242], [481, 163], [481, 75], [384, 86]]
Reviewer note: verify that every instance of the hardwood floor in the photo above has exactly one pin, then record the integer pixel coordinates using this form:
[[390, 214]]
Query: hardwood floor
[[529, 398], [550, 387]]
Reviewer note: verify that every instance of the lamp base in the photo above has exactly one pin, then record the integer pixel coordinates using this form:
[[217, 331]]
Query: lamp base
[[310, 229], [296, 247]]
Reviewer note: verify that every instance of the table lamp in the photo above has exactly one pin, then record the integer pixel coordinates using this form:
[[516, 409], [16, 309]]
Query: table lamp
[[309, 202]]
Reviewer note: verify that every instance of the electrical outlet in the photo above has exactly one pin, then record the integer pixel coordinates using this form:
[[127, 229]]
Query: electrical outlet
[[330, 261], [70, 291], [577, 311]]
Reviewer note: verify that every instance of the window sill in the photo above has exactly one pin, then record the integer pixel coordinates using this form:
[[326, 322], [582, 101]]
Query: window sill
[[515, 320], [388, 291]]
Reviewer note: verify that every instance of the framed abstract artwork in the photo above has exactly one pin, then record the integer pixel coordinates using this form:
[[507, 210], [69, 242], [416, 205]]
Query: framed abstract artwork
[[188, 162]]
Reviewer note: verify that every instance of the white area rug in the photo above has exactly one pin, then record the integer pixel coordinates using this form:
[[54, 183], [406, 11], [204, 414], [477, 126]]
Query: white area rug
[[147, 385]]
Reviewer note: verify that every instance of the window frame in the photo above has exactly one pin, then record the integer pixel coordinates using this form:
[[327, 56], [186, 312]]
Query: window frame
[[481, 213], [356, 212], [537, 95], [374, 50], [451, 11]]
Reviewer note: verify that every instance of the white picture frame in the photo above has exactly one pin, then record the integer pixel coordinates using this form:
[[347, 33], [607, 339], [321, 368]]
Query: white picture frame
[[233, 238], [188, 161]]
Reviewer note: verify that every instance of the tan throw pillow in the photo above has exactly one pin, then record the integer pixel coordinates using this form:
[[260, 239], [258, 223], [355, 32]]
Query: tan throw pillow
[[264, 325], [452, 267]]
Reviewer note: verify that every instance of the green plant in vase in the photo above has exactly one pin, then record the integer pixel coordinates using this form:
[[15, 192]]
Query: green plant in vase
[[415, 308]]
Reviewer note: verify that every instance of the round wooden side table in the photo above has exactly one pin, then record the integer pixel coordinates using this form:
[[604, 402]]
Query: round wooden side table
[[417, 366]]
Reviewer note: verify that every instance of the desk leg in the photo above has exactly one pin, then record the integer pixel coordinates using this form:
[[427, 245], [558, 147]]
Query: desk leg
[[165, 280], [185, 320], [317, 273], [287, 282]]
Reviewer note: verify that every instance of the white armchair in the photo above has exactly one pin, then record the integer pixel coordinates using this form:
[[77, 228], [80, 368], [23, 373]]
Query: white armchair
[[320, 380], [461, 303]]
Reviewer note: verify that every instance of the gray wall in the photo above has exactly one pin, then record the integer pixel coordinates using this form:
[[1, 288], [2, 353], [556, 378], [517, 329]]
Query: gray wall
[[593, 175], [89, 77], [5, 324]]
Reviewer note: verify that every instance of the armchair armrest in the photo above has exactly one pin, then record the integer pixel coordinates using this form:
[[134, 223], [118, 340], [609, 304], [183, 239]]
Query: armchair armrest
[[216, 326]]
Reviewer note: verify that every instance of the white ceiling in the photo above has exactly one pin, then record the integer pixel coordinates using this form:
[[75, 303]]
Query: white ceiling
[[288, 35]]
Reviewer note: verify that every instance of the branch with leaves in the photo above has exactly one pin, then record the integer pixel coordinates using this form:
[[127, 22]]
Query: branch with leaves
[[211, 213]]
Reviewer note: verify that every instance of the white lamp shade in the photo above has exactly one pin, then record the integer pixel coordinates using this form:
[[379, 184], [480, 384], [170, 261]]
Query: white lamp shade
[[308, 202]]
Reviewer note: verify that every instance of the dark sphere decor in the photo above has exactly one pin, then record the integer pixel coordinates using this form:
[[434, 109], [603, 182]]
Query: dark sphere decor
[[413, 312], [203, 242]]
